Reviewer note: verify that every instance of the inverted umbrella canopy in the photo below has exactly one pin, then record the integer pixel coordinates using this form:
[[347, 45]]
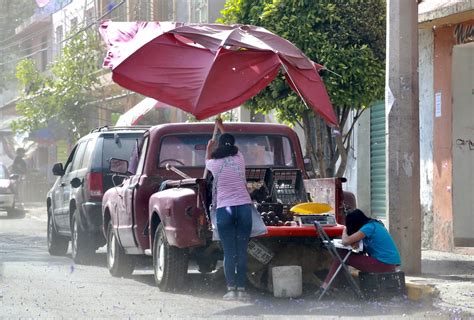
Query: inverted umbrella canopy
[[206, 69]]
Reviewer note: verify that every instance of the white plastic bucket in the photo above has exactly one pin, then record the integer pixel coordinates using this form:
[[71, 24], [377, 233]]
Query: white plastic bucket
[[287, 281]]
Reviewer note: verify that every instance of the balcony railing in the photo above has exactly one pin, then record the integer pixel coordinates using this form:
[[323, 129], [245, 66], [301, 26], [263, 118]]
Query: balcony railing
[[43, 14]]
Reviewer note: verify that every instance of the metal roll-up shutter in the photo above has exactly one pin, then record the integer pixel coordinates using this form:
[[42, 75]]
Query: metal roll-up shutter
[[377, 160]]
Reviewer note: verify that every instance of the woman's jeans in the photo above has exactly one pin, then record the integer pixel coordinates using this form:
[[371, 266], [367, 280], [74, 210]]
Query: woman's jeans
[[234, 225]]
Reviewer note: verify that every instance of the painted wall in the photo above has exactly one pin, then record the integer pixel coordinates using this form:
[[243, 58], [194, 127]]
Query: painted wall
[[442, 151], [426, 46]]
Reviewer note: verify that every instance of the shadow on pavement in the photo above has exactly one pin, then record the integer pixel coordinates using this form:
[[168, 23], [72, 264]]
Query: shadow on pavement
[[18, 214]]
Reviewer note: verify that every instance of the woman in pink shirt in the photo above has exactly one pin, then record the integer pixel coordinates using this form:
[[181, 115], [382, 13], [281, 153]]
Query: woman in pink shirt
[[233, 214]]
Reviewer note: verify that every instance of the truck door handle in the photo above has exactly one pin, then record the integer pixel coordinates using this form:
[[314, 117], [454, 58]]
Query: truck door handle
[[62, 184]]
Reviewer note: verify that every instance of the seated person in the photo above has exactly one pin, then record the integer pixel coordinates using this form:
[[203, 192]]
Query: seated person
[[383, 255]]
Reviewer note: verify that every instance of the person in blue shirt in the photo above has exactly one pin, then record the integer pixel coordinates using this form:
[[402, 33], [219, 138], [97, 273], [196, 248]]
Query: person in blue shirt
[[382, 253]]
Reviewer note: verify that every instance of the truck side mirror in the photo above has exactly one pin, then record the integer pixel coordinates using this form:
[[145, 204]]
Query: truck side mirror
[[308, 164], [118, 166], [58, 169]]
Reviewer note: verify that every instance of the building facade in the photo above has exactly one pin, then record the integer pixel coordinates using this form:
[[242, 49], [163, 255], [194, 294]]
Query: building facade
[[42, 38], [446, 111], [447, 43]]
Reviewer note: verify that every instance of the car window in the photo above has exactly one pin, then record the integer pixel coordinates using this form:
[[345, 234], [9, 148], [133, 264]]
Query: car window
[[117, 146], [88, 154], [68, 164], [257, 149], [183, 150], [141, 161], [76, 163]]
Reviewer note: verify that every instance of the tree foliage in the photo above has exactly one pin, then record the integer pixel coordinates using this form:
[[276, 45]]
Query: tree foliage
[[348, 38], [64, 97]]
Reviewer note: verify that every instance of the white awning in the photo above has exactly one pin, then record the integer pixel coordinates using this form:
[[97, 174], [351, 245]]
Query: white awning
[[133, 116]]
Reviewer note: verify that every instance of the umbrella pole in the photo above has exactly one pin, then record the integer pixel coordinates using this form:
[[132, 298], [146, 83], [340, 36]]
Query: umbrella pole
[[214, 135], [294, 84]]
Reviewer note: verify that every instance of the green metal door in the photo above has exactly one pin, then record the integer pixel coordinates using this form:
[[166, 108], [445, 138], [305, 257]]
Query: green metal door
[[377, 160]]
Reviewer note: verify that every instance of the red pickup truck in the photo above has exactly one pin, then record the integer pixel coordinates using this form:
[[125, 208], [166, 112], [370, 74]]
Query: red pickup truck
[[161, 209]]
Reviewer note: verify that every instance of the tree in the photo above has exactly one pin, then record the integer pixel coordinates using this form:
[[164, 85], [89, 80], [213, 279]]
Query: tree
[[64, 98], [348, 38]]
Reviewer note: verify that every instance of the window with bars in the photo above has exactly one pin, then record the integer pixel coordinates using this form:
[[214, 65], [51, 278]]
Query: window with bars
[[59, 39], [141, 10], [114, 9], [44, 53], [199, 11], [163, 10]]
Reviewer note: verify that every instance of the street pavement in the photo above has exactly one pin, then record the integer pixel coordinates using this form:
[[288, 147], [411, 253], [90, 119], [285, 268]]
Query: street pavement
[[447, 282]]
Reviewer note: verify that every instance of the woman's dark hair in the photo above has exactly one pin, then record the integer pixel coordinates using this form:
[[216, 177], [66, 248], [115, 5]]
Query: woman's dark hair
[[355, 220], [226, 147]]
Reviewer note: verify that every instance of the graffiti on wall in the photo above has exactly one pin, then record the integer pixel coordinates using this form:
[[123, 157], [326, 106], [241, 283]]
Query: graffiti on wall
[[464, 33], [461, 143]]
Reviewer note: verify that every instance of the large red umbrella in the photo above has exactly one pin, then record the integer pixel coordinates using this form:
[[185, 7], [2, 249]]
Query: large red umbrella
[[206, 69]]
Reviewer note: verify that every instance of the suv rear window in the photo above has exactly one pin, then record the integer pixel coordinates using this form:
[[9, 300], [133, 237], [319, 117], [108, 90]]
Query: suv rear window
[[117, 146]]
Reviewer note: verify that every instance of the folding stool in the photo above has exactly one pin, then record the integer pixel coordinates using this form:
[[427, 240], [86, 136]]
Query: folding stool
[[328, 244]]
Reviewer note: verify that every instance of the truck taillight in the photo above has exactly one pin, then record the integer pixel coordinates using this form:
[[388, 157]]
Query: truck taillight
[[94, 185]]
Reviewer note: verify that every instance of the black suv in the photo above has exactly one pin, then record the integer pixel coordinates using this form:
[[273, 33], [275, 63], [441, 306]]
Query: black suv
[[74, 202]]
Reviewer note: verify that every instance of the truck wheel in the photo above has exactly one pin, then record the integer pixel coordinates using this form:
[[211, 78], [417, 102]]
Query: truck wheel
[[81, 248], [57, 245], [118, 263], [169, 263]]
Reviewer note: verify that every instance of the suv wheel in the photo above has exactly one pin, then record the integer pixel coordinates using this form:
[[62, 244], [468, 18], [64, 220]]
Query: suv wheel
[[118, 263], [57, 245], [81, 247], [11, 212], [169, 263]]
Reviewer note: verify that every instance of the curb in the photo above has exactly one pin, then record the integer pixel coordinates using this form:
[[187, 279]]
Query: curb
[[420, 292], [415, 292]]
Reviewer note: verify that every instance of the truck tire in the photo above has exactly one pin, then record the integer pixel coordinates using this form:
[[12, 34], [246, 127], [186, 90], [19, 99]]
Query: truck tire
[[81, 247], [118, 263], [57, 245], [170, 264]]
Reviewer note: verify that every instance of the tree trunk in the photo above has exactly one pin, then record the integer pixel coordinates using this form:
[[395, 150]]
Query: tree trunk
[[343, 155], [310, 152], [320, 147], [325, 149]]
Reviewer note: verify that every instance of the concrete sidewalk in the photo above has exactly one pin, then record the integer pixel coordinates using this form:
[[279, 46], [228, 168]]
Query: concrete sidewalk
[[447, 279]]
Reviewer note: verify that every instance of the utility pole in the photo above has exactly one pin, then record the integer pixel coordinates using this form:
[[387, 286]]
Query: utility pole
[[403, 149]]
